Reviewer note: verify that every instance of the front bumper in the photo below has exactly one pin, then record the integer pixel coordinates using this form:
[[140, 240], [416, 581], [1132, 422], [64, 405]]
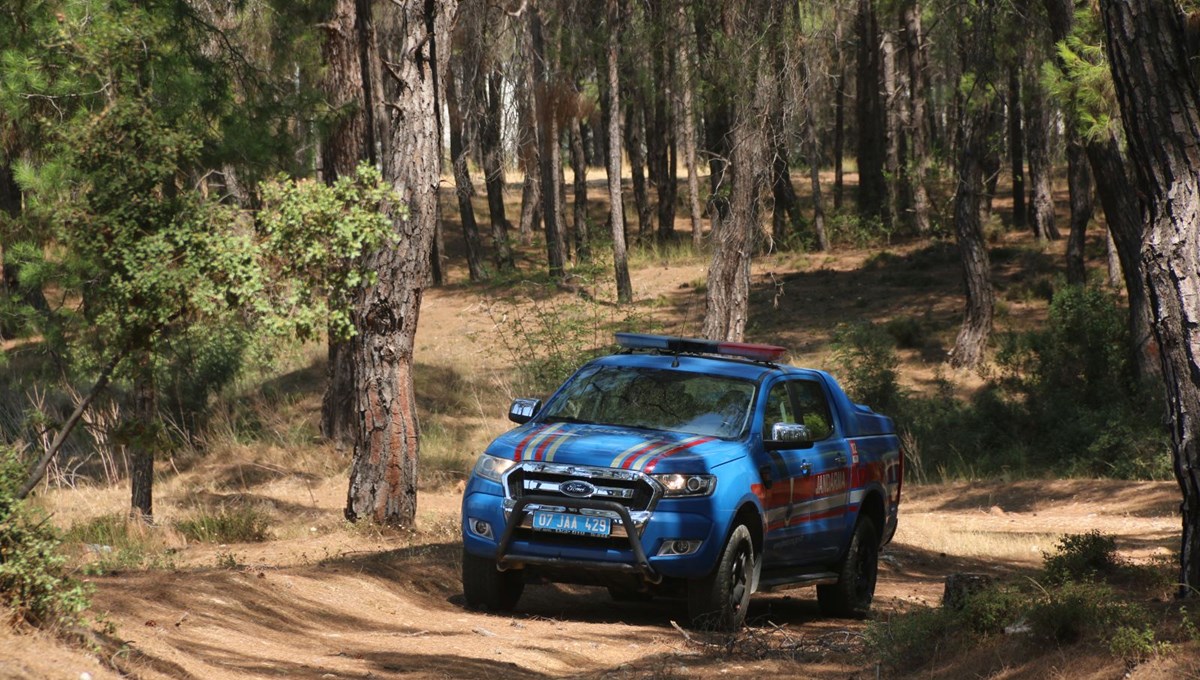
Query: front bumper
[[631, 549]]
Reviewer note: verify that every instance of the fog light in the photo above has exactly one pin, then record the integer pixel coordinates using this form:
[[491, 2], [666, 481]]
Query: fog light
[[678, 547], [480, 527]]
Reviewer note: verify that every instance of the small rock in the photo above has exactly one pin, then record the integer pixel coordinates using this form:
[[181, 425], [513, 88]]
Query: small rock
[[483, 631]]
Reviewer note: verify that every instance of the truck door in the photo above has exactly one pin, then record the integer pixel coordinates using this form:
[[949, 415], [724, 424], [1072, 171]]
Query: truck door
[[811, 527]]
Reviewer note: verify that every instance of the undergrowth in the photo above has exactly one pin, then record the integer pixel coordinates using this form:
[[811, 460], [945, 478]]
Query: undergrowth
[[35, 585], [1064, 400], [1085, 594]]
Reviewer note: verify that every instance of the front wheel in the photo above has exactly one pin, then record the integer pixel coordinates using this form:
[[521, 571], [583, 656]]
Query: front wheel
[[486, 587], [851, 596], [719, 601]]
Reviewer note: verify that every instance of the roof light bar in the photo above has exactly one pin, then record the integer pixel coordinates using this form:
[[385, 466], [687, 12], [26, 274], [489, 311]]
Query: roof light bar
[[667, 343]]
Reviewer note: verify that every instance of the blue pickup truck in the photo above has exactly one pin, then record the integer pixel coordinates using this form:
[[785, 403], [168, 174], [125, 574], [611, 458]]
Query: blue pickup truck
[[691, 468]]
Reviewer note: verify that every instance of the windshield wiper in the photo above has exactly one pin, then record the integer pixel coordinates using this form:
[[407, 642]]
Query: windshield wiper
[[566, 419]]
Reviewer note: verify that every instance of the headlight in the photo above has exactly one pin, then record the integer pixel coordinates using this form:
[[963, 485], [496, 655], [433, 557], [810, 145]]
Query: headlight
[[491, 467], [687, 485]]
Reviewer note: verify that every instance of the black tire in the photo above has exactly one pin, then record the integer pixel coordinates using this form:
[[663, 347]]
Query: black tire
[[719, 601], [488, 588], [851, 596]]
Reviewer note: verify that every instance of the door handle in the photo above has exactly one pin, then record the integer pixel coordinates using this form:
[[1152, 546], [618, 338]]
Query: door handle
[[840, 459], [805, 468]]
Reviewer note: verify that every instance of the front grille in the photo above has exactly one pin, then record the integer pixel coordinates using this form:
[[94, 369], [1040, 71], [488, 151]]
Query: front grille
[[633, 490]]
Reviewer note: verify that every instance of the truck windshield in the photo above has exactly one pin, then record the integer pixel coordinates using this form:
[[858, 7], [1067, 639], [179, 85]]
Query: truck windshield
[[654, 399]]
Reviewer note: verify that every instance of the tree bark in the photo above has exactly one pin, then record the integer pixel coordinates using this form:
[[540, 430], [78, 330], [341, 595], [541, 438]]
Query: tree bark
[[383, 475], [728, 293], [549, 150], [660, 130], [493, 169], [839, 140], [1038, 145], [893, 135], [583, 250], [634, 136], [616, 220], [143, 441], [464, 189], [917, 128], [685, 121], [528, 145], [1159, 100], [347, 85], [1079, 180], [871, 117], [1016, 147], [976, 329]]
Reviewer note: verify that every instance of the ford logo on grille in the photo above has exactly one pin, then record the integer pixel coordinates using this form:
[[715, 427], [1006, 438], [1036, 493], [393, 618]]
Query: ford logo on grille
[[577, 488]]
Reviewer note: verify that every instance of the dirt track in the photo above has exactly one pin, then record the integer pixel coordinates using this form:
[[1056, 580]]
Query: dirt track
[[343, 605]]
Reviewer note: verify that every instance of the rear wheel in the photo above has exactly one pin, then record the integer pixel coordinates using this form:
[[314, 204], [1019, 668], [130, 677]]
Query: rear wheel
[[719, 601], [488, 588], [851, 596]]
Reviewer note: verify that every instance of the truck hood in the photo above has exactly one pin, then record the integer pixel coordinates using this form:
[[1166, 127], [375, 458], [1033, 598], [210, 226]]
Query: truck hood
[[607, 446]]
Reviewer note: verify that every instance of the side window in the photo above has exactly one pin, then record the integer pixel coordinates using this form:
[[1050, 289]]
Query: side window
[[812, 409], [779, 408]]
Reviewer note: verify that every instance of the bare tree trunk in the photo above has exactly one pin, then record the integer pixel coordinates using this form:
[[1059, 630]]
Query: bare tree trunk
[[839, 139], [1158, 94], [1079, 180], [660, 135], [614, 11], [464, 189], [348, 87], [976, 329], [583, 250], [383, 475], [917, 128], [893, 137], [493, 170], [814, 175], [728, 293], [869, 108], [143, 442], [528, 145], [686, 121], [1039, 137], [634, 135], [1016, 147], [549, 151]]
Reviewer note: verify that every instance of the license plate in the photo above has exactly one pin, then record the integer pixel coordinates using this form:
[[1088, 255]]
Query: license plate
[[579, 525]]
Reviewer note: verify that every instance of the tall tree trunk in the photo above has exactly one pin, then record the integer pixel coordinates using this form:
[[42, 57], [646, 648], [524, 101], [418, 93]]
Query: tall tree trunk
[[976, 329], [718, 118], [493, 169], [634, 136], [383, 475], [347, 85], [1016, 147], [871, 117], [660, 130], [143, 441], [685, 121], [839, 139], [814, 175], [1040, 169], [917, 128], [1079, 180], [616, 220], [785, 218], [893, 136], [464, 189], [529, 143], [583, 250], [728, 293], [1159, 99], [549, 150]]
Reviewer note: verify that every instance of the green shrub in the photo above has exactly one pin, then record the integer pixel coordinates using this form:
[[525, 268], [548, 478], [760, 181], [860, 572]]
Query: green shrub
[[1133, 645], [1082, 557], [867, 355], [913, 639], [1076, 611], [33, 581], [227, 525], [114, 543]]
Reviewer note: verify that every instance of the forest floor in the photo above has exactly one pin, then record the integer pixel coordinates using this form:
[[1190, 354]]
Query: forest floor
[[322, 598]]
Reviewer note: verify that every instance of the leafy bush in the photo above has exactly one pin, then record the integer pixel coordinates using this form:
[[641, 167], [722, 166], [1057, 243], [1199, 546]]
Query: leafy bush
[[1082, 557], [1075, 611], [114, 542], [912, 639], [867, 354], [33, 581], [227, 525]]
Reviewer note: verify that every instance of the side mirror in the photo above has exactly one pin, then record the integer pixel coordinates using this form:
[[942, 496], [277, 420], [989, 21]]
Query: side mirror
[[788, 436], [523, 410]]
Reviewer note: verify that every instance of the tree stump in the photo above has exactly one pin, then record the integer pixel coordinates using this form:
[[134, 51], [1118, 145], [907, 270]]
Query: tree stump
[[961, 586]]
